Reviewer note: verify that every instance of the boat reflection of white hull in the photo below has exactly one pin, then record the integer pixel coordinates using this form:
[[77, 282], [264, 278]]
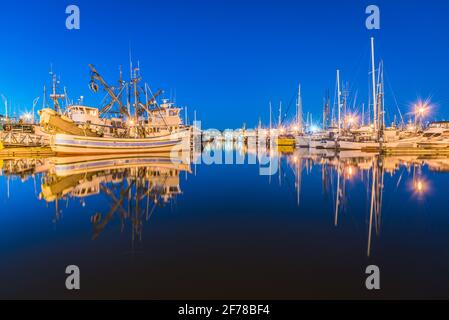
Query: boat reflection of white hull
[[66, 166], [439, 145], [409, 143], [71, 144], [353, 145]]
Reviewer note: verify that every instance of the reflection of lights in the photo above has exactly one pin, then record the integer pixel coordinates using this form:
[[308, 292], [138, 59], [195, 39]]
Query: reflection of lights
[[420, 186], [295, 128], [295, 159], [350, 171]]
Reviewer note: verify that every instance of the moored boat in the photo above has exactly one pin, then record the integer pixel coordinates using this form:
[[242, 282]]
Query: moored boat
[[71, 144], [286, 140]]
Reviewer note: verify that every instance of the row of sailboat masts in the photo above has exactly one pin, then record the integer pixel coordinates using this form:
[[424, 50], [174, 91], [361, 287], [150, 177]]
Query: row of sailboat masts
[[377, 97], [298, 117]]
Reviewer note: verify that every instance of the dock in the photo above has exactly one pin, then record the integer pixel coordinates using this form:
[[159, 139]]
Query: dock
[[14, 152]]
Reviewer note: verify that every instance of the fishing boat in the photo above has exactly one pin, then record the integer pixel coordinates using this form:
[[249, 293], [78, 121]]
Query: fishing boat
[[71, 144], [81, 129]]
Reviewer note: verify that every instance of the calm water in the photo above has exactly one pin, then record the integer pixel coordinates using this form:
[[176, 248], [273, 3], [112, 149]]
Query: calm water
[[149, 228]]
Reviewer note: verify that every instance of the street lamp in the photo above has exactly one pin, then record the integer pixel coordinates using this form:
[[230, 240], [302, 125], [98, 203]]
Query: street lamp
[[421, 110]]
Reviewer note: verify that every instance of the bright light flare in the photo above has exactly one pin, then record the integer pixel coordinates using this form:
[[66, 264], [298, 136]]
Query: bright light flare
[[27, 116], [351, 119], [422, 108], [420, 187]]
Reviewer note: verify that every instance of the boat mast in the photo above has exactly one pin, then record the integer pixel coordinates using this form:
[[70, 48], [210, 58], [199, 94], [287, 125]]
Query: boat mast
[[339, 101], [299, 110], [280, 115], [270, 119], [373, 71], [363, 114]]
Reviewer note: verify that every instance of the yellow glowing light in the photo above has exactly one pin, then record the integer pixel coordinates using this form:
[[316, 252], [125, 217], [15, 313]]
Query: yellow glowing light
[[350, 172], [131, 122], [419, 186], [295, 128], [282, 130], [295, 159], [351, 119], [422, 108]]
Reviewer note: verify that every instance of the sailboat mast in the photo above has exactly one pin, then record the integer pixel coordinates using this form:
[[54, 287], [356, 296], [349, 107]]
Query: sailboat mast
[[270, 118], [339, 101], [299, 110], [280, 114], [373, 71]]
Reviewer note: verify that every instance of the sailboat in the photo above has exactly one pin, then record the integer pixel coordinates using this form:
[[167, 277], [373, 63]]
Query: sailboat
[[367, 140]]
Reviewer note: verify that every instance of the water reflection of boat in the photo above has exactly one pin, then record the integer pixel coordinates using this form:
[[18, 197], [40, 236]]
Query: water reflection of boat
[[371, 170], [139, 183], [64, 166], [81, 176]]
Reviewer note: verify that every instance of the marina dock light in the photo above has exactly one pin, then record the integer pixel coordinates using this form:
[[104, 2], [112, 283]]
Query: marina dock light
[[27, 116], [351, 120], [421, 109]]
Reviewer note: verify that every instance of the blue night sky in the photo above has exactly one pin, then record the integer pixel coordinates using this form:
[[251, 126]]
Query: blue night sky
[[228, 59]]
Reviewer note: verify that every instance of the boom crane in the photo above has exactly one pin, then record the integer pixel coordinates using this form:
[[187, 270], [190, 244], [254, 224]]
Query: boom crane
[[95, 76]]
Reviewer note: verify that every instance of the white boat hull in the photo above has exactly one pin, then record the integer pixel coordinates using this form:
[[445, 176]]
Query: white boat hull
[[302, 141], [330, 144], [352, 145], [70, 144], [317, 144]]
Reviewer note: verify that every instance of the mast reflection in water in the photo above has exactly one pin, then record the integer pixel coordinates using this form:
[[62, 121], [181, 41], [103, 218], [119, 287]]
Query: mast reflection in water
[[155, 227]]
